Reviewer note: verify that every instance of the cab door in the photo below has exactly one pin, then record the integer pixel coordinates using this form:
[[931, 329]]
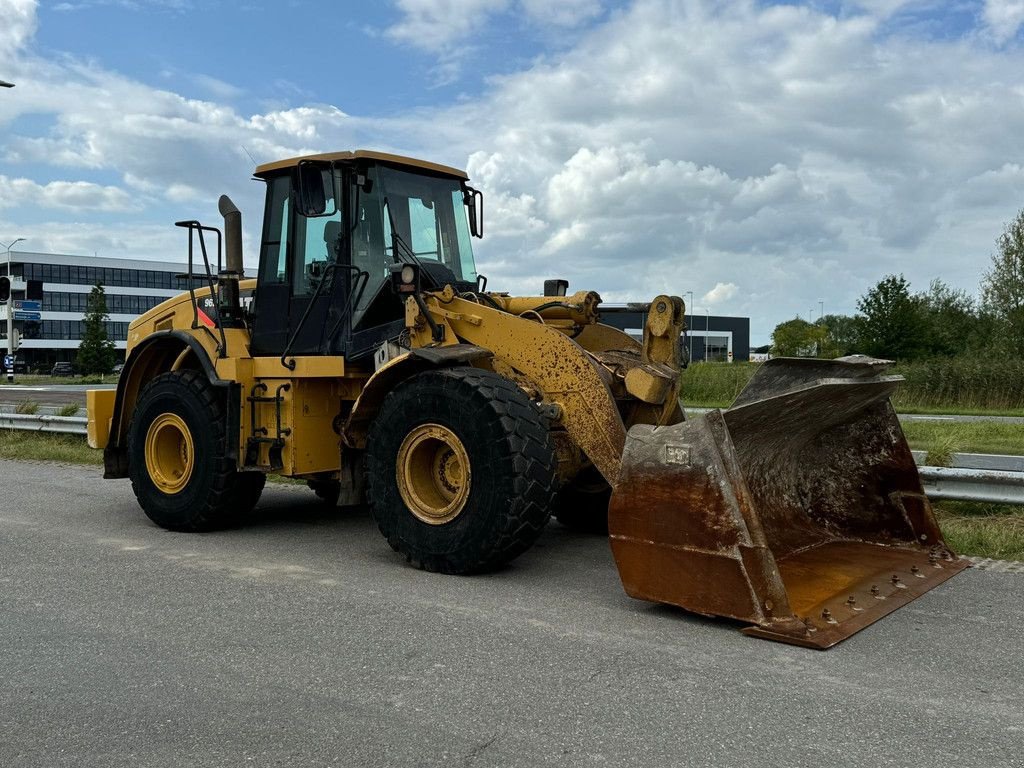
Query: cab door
[[300, 274]]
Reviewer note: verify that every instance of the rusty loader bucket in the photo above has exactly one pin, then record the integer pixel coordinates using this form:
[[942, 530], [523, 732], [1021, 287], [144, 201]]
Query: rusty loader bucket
[[799, 509]]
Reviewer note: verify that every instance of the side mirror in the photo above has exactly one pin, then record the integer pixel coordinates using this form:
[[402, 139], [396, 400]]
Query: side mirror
[[474, 201], [314, 188]]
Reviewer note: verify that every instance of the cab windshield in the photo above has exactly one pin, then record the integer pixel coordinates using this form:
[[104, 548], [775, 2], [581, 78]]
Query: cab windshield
[[424, 216], [404, 217]]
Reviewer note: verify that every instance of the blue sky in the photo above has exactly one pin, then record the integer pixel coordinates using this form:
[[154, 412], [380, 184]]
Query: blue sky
[[762, 155]]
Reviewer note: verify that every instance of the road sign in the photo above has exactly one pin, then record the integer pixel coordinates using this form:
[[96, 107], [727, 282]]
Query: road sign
[[27, 305], [8, 362], [27, 315]]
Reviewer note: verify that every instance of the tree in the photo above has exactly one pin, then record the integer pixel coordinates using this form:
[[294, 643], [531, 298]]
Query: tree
[[797, 338], [842, 335], [951, 319], [894, 323], [96, 352], [1002, 288]]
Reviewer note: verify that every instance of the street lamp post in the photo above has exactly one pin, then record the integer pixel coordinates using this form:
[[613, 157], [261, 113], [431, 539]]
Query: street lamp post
[[707, 330], [10, 314], [4, 84], [690, 307]]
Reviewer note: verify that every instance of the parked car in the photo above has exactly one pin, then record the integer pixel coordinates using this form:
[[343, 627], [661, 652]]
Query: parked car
[[63, 369]]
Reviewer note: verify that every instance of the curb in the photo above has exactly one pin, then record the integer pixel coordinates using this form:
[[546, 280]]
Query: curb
[[996, 566]]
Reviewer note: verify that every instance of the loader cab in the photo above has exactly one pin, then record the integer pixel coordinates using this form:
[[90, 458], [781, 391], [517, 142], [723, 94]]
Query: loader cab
[[332, 228]]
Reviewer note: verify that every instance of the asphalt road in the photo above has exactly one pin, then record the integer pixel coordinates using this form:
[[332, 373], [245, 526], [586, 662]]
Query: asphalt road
[[48, 394], [302, 640]]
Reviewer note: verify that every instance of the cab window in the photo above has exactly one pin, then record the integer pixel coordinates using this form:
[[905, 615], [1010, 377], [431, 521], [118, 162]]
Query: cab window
[[317, 243]]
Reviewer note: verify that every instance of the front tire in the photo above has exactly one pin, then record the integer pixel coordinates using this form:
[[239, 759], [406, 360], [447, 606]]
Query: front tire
[[461, 470], [176, 456]]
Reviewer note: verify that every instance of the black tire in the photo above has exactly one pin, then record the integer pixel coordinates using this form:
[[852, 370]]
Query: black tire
[[512, 470], [582, 503], [327, 491], [216, 495]]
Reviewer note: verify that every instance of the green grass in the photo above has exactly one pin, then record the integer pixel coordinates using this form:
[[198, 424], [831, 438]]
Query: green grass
[[983, 530], [958, 410], [715, 385], [44, 446], [27, 407], [36, 380], [960, 386], [944, 437], [71, 409], [967, 383]]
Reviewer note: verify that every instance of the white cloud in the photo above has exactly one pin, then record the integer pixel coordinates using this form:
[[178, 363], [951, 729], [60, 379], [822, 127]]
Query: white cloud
[[66, 195], [217, 88], [683, 144], [563, 13], [722, 292], [1004, 17], [118, 240], [442, 26], [17, 26], [679, 145], [434, 25]]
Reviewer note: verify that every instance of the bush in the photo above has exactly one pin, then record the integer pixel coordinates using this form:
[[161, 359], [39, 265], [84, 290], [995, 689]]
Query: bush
[[956, 383], [715, 384], [962, 382]]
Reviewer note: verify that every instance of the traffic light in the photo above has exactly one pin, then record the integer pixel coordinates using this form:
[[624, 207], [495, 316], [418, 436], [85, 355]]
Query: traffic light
[[5, 288]]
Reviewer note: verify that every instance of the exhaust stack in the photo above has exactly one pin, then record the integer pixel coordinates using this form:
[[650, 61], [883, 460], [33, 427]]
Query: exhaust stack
[[232, 235], [229, 305]]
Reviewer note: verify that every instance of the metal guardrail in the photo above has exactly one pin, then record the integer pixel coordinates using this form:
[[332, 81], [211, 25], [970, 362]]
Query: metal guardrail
[[972, 476], [40, 422], [984, 477], [987, 461], [973, 484]]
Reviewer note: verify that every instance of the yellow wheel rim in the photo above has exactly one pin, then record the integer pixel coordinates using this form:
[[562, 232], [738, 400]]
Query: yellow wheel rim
[[433, 474], [170, 454]]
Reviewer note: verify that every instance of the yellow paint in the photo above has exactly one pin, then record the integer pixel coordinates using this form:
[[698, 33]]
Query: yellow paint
[[308, 409], [646, 385], [170, 453], [362, 154], [234, 369], [580, 307], [99, 405], [601, 338], [305, 367], [433, 474]]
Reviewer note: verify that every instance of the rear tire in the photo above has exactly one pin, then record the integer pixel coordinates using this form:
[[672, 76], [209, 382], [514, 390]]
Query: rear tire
[[176, 456], [444, 516]]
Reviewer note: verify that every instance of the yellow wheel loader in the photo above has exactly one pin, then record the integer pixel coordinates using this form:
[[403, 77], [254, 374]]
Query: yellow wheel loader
[[370, 359]]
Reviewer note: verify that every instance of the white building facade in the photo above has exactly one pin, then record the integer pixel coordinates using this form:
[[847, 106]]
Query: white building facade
[[62, 284]]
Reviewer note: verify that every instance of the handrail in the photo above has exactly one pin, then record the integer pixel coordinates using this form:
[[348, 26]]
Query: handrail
[[194, 226]]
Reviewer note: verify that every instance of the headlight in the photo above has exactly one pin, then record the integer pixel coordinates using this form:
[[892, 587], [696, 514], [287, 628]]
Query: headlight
[[408, 274]]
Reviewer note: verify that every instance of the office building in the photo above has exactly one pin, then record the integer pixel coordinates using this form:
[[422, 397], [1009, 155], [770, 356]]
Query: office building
[[62, 284], [708, 337]]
